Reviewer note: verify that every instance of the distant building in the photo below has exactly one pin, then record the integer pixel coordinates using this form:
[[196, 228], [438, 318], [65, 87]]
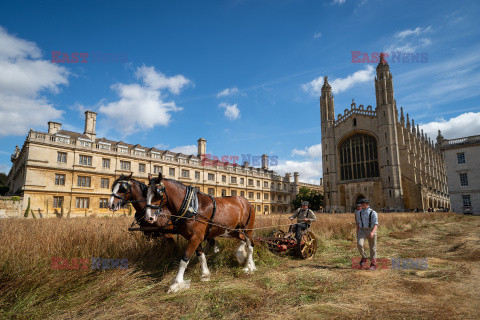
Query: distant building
[[375, 153], [462, 157], [75, 171]]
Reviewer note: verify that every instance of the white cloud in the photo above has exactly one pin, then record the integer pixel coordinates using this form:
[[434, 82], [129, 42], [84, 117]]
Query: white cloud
[[317, 35], [158, 81], [190, 149], [161, 146], [231, 111], [466, 124], [24, 78], [143, 107], [340, 84], [314, 152], [227, 92], [339, 2], [309, 171], [417, 31]]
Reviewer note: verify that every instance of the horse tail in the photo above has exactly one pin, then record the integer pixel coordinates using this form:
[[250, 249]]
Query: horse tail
[[250, 218]]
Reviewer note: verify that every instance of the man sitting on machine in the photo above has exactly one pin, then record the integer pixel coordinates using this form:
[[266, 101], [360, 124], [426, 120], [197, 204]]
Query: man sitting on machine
[[304, 217]]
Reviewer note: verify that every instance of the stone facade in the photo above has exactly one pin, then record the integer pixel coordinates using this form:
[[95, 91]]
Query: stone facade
[[377, 154], [63, 168], [462, 157]]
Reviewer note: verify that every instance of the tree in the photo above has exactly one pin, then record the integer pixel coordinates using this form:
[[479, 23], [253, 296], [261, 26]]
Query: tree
[[314, 198]]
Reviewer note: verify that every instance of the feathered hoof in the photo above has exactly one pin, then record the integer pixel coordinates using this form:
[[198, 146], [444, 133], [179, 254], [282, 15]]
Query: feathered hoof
[[177, 286]]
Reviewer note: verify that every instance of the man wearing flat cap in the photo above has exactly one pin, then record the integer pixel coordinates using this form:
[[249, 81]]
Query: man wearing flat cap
[[304, 217], [367, 224]]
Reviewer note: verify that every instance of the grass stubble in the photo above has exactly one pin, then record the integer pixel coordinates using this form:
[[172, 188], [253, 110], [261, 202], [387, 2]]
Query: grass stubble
[[325, 287]]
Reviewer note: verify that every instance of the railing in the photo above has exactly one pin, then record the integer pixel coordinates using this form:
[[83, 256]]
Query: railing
[[360, 111], [470, 139]]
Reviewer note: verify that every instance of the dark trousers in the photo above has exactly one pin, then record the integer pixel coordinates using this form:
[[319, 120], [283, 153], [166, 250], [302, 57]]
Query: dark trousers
[[298, 228]]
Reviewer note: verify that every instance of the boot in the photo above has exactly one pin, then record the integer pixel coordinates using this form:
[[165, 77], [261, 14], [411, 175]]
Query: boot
[[373, 264], [362, 262]]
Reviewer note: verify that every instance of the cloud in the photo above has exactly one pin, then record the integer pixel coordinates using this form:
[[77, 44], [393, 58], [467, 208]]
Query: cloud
[[158, 81], [314, 152], [417, 31], [190, 149], [317, 35], [227, 92], [144, 106], [309, 171], [314, 87], [24, 78], [408, 40], [231, 111], [339, 2], [464, 125]]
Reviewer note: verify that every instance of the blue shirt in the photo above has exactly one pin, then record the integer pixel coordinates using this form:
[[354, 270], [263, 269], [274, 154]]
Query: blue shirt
[[362, 217]]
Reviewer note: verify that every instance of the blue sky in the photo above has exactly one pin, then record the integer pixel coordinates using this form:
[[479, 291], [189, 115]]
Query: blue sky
[[245, 75]]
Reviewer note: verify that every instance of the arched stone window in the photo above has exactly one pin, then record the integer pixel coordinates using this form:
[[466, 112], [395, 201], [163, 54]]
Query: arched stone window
[[358, 157]]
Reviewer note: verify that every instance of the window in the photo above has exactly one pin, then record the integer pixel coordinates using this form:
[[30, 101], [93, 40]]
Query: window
[[258, 183], [125, 165], [103, 203], [242, 180], [461, 158], [250, 195], [250, 182], [185, 173], [258, 208], [234, 192], [265, 196], [359, 157], [258, 195], [266, 208], [224, 192], [141, 167], [265, 184], [85, 160], [82, 203], [466, 201], [242, 193], [139, 153], [84, 182], [59, 179], [197, 175], [105, 163], [61, 157], [104, 183], [157, 169], [171, 172], [233, 179], [463, 179], [211, 176], [224, 178], [122, 149], [57, 202], [211, 192]]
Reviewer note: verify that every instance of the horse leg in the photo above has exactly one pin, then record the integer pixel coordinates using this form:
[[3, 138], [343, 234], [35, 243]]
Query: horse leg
[[241, 253], [250, 265], [213, 244], [179, 283], [203, 263]]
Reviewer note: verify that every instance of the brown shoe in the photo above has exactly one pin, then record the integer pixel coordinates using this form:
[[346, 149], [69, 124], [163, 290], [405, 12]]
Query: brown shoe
[[362, 262], [373, 264]]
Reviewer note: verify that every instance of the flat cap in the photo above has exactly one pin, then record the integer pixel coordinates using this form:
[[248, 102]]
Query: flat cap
[[304, 203], [365, 201]]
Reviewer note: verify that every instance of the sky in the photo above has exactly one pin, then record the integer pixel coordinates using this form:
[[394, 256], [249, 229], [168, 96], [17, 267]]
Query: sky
[[243, 74]]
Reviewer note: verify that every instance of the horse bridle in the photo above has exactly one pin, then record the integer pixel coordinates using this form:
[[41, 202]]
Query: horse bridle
[[160, 191]]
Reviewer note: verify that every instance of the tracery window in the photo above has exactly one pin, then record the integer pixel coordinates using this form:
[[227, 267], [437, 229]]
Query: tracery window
[[359, 157]]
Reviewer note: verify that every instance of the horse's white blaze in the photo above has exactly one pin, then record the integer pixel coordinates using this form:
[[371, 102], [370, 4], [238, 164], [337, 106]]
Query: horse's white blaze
[[115, 190], [203, 263], [149, 217], [179, 283]]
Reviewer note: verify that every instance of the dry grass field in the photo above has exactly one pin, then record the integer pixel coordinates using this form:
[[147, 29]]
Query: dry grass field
[[284, 287]]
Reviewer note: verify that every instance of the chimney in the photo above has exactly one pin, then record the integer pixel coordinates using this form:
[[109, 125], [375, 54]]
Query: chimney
[[54, 127], [264, 161], [295, 177], [287, 177], [202, 147], [90, 121]]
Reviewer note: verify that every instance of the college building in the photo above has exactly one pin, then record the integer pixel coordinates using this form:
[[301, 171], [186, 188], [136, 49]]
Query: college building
[[61, 168], [462, 157], [378, 154]]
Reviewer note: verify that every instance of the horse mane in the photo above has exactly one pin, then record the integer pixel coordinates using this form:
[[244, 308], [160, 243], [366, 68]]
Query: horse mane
[[143, 186]]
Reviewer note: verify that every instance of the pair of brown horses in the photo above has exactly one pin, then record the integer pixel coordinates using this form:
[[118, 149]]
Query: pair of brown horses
[[159, 204]]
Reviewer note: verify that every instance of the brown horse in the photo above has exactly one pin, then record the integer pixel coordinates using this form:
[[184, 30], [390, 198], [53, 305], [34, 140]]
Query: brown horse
[[128, 190], [227, 216]]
